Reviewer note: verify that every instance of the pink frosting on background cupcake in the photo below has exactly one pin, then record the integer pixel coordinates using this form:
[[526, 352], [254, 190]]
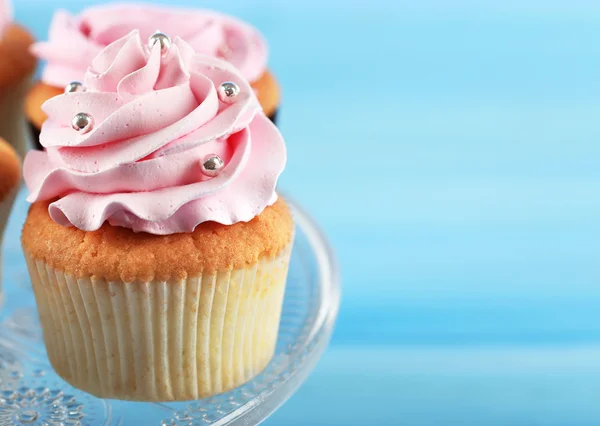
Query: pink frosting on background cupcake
[[156, 117], [75, 40], [6, 15]]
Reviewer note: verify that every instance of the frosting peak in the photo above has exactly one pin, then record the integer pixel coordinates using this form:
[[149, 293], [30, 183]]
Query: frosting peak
[[6, 15], [153, 118], [75, 40]]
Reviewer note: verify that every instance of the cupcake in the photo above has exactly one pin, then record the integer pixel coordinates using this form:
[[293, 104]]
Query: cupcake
[[10, 177], [157, 245], [17, 65], [75, 40]]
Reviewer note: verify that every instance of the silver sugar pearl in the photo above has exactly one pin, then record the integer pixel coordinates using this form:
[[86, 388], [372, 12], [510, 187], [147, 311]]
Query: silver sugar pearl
[[212, 165], [74, 86], [163, 39], [228, 92], [82, 122]]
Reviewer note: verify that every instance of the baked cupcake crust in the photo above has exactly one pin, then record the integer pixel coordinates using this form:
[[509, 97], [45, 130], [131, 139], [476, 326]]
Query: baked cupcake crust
[[116, 253], [37, 95], [266, 87], [17, 63], [10, 169], [267, 92]]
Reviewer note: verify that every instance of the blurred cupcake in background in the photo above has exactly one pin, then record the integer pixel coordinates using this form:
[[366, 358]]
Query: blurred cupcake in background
[[17, 65], [10, 178], [74, 40], [157, 245]]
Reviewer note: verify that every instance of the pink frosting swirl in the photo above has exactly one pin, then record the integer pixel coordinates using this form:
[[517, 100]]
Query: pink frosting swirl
[[6, 14], [156, 117], [75, 40]]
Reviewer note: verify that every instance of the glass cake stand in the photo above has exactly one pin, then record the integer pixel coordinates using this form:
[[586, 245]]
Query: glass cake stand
[[32, 394]]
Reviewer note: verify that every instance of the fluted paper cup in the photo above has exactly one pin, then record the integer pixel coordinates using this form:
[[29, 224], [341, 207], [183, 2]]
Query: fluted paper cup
[[161, 341]]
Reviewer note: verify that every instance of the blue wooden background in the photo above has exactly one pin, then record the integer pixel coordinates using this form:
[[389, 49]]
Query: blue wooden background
[[451, 151]]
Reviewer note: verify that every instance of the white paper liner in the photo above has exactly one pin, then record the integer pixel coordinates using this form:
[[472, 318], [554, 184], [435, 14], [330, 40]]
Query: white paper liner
[[13, 125], [161, 341]]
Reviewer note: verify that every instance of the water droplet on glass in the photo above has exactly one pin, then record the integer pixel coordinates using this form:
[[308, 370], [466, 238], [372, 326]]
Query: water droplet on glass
[[75, 414], [42, 391], [6, 395], [182, 415], [27, 416]]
